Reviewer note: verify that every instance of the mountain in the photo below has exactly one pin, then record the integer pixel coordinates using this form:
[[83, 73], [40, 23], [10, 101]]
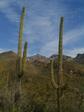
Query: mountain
[[38, 58], [79, 58], [54, 56], [43, 59], [7, 61], [40, 63], [9, 55]]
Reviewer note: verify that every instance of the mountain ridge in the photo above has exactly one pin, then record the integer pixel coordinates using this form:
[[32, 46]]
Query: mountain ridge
[[43, 59]]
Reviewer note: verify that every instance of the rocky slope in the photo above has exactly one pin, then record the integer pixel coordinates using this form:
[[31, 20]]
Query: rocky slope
[[38, 92]]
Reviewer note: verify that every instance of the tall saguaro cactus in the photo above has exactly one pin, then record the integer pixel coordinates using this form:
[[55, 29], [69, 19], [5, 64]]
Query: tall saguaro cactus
[[19, 64], [60, 53], [59, 84], [60, 79], [60, 58]]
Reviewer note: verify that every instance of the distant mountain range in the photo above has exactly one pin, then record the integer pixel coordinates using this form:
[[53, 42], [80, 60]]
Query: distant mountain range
[[38, 58], [10, 55], [79, 58], [54, 57]]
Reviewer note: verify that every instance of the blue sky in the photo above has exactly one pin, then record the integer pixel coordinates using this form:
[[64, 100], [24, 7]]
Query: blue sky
[[41, 26]]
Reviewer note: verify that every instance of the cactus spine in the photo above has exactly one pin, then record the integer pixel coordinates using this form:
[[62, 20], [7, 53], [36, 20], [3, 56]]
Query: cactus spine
[[59, 84]]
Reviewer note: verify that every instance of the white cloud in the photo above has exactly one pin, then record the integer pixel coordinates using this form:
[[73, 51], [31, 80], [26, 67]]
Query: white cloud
[[43, 24], [74, 52], [7, 9], [37, 28], [11, 14], [71, 36], [3, 50], [49, 48]]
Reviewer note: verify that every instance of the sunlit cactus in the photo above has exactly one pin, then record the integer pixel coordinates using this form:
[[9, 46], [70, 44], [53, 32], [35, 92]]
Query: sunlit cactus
[[19, 64], [19, 58]]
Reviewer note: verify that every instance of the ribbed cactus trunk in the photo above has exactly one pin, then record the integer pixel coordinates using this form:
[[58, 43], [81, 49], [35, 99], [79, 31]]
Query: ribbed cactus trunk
[[60, 81], [60, 69], [18, 84], [60, 52], [24, 58], [19, 58]]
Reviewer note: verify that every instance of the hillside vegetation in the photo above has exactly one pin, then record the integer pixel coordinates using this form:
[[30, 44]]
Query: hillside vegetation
[[38, 93]]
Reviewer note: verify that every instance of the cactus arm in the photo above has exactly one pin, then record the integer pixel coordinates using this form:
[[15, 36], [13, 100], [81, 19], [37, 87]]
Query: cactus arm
[[55, 85]]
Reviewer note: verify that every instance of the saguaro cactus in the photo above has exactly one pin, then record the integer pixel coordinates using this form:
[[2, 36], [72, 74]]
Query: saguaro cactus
[[59, 84], [24, 57], [19, 64], [19, 59], [60, 52], [60, 58]]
